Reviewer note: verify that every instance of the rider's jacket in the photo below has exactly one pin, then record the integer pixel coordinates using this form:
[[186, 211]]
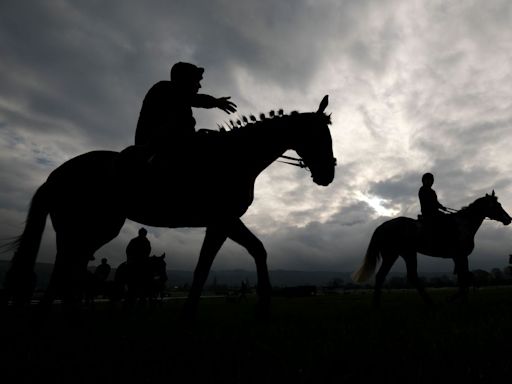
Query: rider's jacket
[[429, 204], [138, 249], [166, 115]]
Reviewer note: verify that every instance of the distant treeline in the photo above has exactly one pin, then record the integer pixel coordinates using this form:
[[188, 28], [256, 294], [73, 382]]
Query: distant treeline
[[481, 278], [324, 281]]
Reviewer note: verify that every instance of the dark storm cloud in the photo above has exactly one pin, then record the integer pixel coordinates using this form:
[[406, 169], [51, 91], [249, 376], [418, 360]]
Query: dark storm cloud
[[88, 64], [337, 244], [399, 188], [63, 66]]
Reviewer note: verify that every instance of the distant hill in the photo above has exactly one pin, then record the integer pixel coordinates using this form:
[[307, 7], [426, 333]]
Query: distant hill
[[278, 278]]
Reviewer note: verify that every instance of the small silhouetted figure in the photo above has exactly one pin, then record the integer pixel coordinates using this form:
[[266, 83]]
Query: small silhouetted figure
[[103, 270], [137, 265], [166, 122], [430, 206]]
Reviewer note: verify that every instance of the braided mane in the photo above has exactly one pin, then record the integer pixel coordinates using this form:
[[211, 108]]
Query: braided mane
[[244, 121]]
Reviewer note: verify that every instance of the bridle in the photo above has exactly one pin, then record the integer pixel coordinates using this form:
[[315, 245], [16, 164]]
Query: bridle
[[296, 161], [299, 161]]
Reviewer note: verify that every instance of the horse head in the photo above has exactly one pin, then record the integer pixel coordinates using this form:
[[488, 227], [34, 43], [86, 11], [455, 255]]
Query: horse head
[[493, 209], [314, 145], [158, 266]]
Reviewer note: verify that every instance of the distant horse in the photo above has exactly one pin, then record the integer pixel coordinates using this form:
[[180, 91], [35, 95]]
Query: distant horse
[[90, 196], [145, 280], [405, 237]]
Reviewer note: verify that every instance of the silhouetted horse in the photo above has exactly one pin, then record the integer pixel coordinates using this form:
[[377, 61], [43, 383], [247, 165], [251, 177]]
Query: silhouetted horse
[[89, 199], [144, 280], [403, 236]]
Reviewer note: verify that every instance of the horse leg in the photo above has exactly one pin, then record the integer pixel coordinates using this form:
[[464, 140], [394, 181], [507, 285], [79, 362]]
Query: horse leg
[[66, 281], [76, 245], [72, 280], [411, 263], [131, 286], [54, 284], [240, 234], [388, 259], [463, 278], [214, 238]]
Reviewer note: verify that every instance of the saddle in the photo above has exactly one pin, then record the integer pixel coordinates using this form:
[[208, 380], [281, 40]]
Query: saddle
[[138, 166], [436, 231]]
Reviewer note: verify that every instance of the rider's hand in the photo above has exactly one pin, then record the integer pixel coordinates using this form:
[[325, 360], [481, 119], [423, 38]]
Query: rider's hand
[[226, 105]]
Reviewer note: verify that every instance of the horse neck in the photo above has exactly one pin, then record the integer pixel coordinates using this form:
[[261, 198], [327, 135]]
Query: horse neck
[[473, 216], [260, 146]]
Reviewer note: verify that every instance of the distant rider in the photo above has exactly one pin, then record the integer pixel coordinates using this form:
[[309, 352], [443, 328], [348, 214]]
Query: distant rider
[[138, 249]]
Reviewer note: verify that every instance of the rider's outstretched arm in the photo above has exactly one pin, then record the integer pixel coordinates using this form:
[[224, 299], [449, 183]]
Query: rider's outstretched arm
[[207, 101]]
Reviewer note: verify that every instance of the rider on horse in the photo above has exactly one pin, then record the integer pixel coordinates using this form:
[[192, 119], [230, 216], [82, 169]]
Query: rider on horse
[[166, 123], [432, 216], [430, 206]]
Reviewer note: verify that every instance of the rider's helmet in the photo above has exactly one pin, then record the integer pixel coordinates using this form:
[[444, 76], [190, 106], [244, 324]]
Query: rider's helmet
[[427, 178], [143, 232]]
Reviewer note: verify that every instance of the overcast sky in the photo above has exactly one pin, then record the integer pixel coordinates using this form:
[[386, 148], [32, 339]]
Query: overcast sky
[[414, 86]]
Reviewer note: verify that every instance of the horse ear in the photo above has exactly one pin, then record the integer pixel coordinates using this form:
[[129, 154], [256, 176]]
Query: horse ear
[[493, 194], [323, 104]]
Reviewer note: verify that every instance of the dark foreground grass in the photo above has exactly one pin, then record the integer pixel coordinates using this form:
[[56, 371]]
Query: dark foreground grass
[[323, 339]]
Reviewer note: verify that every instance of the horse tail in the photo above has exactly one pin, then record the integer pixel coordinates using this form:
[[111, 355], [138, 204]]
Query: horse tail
[[20, 276], [370, 260]]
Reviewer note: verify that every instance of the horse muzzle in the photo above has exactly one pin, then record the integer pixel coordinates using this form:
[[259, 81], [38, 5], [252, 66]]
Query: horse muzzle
[[323, 174], [323, 180]]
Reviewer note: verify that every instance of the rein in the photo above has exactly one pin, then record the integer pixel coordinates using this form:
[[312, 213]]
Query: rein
[[296, 161], [452, 210]]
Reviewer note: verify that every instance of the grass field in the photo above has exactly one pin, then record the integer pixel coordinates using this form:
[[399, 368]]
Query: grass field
[[321, 339]]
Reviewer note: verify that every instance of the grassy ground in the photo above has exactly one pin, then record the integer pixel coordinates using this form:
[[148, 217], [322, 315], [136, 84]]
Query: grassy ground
[[320, 339]]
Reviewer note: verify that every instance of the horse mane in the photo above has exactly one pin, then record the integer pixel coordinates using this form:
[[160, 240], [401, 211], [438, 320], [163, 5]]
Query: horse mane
[[472, 205], [243, 122]]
